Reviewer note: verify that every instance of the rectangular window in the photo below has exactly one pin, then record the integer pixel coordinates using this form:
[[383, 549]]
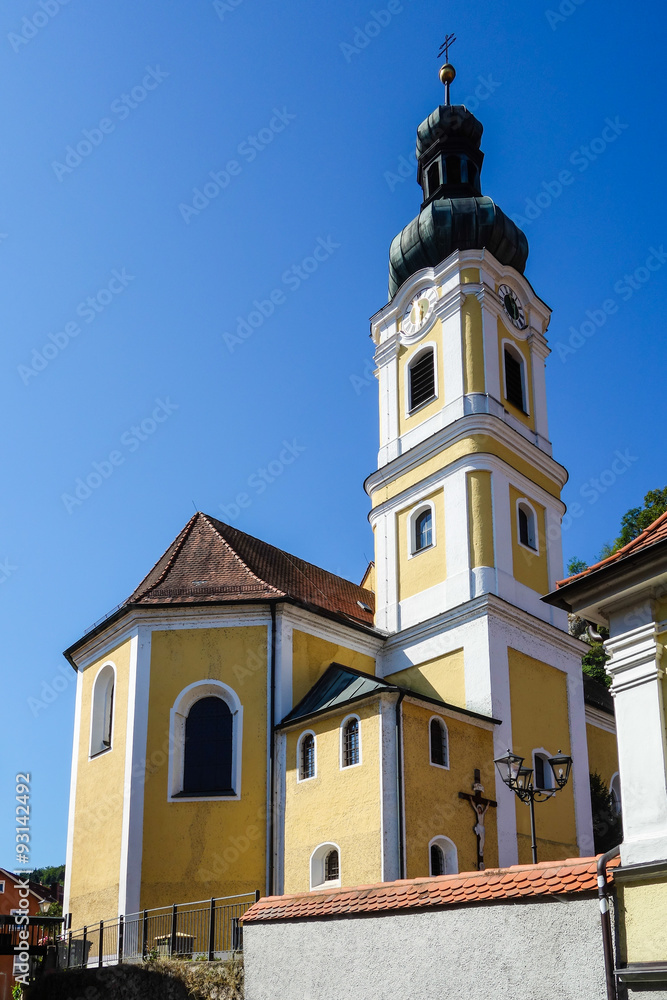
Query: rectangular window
[[422, 380], [514, 381], [433, 178], [2, 886]]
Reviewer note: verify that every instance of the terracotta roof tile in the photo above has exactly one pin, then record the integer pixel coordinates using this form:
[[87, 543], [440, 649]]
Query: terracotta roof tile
[[656, 532], [548, 878]]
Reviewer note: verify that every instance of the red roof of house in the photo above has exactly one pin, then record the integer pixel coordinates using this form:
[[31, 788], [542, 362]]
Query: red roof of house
[[212, 561], [520, 881], [656, 532]]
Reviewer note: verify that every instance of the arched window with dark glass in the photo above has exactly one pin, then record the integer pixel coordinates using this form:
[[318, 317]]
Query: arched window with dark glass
[[208, 750], [433, 178], [423, 530], [102, 713], [527, 527], [543, 774], [331, 867], [439, 743], [351, 743], [307, 757], [437, 860], [514, 379], [422, 379]]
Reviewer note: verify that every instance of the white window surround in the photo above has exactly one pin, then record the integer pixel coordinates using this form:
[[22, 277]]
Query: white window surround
[[548, 772], [349, 767], [530, 510], [306, 732], [412, 527], [184, 702], [442, 767], [429, 345], [2, 885], [105, 677], [448, 848], [512, 349], [317, 867]]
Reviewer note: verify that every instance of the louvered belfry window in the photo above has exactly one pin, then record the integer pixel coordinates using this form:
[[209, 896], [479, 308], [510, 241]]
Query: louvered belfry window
[[331, 867], [208, 748], [307, 762], [422, 380], [514, 381], [351, 743], [439, 748], [437, 860]]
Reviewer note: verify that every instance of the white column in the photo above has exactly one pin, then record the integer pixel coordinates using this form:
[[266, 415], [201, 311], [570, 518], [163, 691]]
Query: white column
[[131, 848], [457, 542], [579, 753], [386, 358], [283, 666], [642, 752], [386, 572], [388, 790], [499, 675], [491, 362], [539, 353], [72, 791], [452, 352]]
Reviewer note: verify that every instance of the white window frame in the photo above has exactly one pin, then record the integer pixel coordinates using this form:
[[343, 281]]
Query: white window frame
[[412, 528], [2, 885], [343, 766], [442, 767], [177, 716], [545, 755], [448, 847], [94, 715], [316, 867], [520, 357], [427, 346], [306, 732], [619, 795], [536, 526]]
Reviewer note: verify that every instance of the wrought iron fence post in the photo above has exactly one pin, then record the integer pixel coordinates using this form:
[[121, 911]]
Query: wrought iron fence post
[[144, 934], [172, 945], [84, 957], [211, 931], [69, 949], [100, 960], [121, 928]]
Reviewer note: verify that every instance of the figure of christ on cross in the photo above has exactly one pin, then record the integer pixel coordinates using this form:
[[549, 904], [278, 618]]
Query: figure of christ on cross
[[480, 806]]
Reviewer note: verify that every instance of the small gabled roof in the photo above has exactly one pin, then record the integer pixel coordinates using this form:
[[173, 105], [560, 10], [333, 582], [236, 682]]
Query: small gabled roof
[[211, 562], [337, 686]]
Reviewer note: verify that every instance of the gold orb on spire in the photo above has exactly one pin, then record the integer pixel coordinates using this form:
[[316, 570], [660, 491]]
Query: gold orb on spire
[[447, 73]]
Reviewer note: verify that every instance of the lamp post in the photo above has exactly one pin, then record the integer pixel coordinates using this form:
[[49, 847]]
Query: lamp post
[[520, 780]]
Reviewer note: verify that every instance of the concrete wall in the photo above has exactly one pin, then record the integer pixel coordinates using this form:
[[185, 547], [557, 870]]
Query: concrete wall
[[508, 951]]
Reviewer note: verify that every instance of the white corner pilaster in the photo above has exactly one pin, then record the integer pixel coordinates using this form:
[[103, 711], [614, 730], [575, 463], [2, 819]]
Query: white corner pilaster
[[72, 791], [457, 540]]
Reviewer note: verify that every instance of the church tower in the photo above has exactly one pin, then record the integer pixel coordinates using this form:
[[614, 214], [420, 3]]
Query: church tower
[[466, 506]]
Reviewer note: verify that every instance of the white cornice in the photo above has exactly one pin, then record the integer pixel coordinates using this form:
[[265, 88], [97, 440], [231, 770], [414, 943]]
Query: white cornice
[[602, 720], [466, 426]]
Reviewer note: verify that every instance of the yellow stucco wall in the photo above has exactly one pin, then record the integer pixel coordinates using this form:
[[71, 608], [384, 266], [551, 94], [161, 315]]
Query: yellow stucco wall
[[469, 275], [405, 356], [643, 913], [602, 752], [98, 816], [432, 804], [195, 850], [530, 568], [311, 657], [538, 698], [476, 444], [426, 568], [443, 678], [339, 805], [473, 344], [480, 518], [504, 334]]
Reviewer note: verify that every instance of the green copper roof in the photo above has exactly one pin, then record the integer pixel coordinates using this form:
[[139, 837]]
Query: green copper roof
[[335, 687], [454, 214]]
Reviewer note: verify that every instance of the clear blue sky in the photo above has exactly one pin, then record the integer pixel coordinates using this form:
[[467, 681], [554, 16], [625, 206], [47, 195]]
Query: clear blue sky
[[312, 128]]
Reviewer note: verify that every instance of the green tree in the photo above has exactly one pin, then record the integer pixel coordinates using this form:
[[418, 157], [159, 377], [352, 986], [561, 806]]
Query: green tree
[[637, 519], [607, 826], [53, 875]]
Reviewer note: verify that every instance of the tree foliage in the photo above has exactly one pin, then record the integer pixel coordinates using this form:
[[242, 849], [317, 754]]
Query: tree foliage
[[53, 875], [637, 519]]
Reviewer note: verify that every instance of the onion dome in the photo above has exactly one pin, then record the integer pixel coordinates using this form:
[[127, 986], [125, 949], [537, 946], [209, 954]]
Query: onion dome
[[454, 214]]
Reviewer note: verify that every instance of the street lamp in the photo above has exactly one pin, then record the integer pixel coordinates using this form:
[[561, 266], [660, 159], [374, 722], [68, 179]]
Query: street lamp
[[520, 780]]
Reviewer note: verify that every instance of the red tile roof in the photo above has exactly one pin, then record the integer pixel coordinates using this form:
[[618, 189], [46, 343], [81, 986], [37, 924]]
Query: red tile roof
[[656, 532], [547, 879], [211, 561]]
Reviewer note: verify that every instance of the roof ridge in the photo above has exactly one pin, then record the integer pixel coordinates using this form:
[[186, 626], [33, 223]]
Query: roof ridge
[[233, 551], [615, 556]]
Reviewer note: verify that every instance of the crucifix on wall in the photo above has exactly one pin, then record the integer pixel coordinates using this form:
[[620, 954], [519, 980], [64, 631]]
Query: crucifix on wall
[[480, 806]]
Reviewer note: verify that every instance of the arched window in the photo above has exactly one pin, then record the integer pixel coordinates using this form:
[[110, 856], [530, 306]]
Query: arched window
[[331, 866], [433, 179], [325, 866], [423, 530], [306, 756], [443, 857], [615, 793], [422, 378], [543, 776], [101, 723], [206, 739], [350, 749], [207, 768], [439, 743], [527, 525], [515, 378]]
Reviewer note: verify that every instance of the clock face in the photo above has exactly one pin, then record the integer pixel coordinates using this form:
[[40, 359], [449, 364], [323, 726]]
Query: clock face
[[419, 310], [512, 306]]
